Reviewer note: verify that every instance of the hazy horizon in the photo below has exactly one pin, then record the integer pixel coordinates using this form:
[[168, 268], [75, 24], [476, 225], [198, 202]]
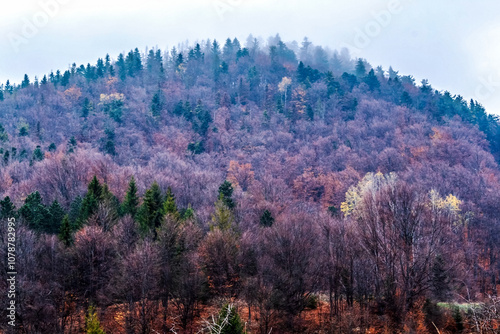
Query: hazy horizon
[[452, 44]]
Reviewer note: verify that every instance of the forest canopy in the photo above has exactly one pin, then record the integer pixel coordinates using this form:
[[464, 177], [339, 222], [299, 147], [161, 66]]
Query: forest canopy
[[273, 180]]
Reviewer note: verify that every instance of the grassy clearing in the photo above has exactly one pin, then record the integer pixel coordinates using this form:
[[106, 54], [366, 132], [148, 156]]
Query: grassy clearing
[[464, 307]]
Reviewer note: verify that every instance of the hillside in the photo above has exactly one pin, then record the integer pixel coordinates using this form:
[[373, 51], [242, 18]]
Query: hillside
[[267, 176]]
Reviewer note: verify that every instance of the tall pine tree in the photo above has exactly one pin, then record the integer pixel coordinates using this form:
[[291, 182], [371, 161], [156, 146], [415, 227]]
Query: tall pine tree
[[65, 232], [157, 104], [266, 220], [90, 202], [226, 193], [228, 321], [170, 207], [131, 203], [222, 218], [35, 213], [151, 212], [56, 217], [92, 324], [7, 208]]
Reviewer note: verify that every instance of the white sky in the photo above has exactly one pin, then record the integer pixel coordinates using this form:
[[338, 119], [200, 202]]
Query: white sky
[[453, 43]]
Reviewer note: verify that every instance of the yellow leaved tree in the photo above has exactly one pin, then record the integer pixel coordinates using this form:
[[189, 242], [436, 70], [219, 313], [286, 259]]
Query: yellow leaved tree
[[370, 184], [283, 87], [448, 207]]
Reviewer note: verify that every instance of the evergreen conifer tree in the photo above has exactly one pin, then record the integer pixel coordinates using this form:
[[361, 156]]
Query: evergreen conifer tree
[[26, 81], [372, 81], [266, 219], [7, 208], [360, 68], [90, 202], [56, 217], [170, 207], [122, 67], [92, 324], [188, 213], [131, 202], [226, 193], [228, 322], [38, 154], [65, 232], [35, 213], [222, 218], [3, 134], [151, 212], [156, 104]]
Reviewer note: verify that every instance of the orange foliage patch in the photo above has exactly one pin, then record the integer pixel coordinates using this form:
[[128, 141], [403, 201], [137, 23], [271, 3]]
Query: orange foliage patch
[[240, 175]]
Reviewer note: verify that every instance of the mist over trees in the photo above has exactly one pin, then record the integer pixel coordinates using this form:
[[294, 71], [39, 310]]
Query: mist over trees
[[280, 187]]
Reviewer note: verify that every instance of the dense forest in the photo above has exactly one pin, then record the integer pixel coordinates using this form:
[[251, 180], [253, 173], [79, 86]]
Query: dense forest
[[228, 187]]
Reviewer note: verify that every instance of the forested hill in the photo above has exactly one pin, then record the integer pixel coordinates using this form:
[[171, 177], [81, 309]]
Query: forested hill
[[190, 112], [295, 130]]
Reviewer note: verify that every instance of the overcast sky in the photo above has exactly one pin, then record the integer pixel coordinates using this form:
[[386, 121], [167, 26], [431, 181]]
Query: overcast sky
[[455, 44]]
